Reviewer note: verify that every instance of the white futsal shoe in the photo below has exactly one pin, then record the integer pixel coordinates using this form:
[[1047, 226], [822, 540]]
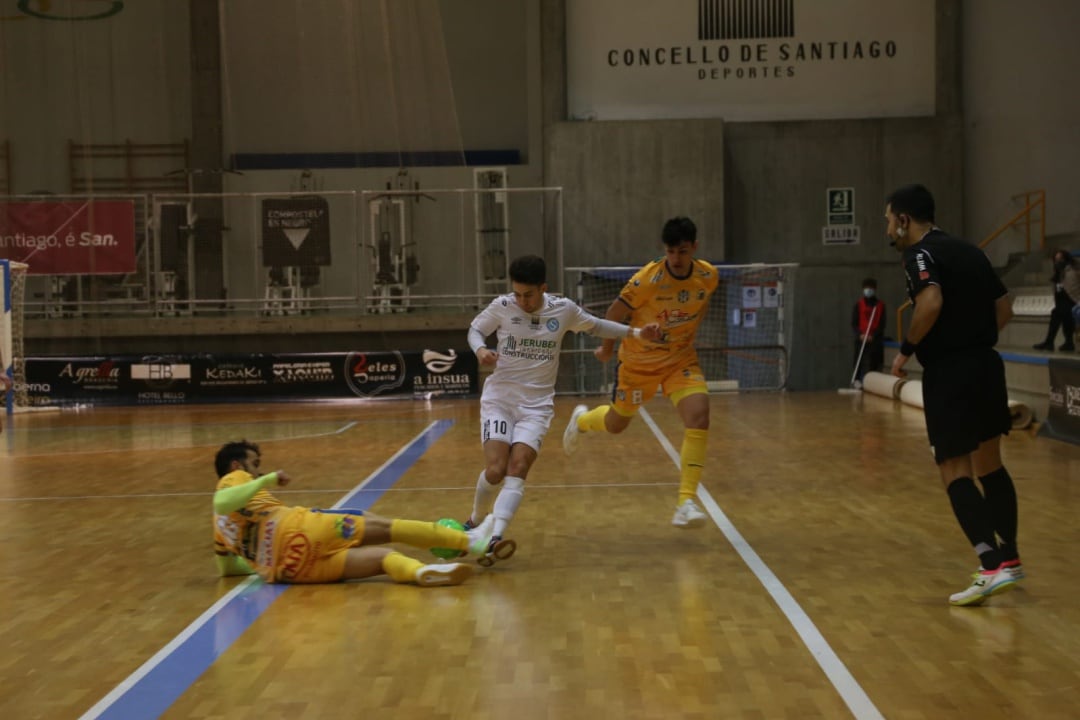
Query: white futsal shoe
[[480, 536], [689, 515], [499, 549], [571, 436], [984, 584], [443, 574]]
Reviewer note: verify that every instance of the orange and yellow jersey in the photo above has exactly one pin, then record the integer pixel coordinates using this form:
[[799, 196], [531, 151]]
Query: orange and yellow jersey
[[678, 304], [252, 531]]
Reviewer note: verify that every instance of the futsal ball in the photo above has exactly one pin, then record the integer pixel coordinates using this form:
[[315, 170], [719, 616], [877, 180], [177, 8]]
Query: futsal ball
[[448, 553]]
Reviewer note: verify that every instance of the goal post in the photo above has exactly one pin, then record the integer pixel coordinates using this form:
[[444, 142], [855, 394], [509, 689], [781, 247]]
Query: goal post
[[13, 280], [743, 342]]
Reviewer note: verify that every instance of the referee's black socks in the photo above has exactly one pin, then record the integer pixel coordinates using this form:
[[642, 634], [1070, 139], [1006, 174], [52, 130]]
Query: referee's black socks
[[1000, 496], [973, 513]]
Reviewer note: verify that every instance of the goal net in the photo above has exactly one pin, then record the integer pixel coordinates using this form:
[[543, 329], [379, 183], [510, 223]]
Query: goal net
[[743, 342], [13, 281]]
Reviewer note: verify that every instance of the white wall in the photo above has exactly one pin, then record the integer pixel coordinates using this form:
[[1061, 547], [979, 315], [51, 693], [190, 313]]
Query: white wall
[[1022, 114]]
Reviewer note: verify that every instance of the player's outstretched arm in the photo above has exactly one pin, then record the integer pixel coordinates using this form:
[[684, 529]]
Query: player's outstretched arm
[[231, 499], [618, 313], [652, 332]]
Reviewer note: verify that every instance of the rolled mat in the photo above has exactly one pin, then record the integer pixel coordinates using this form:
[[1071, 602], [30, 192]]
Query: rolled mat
[[879, 383], [1021, 415], [911, 393]]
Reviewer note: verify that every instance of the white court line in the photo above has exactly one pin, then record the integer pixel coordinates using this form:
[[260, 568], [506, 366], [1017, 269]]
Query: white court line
[[316, 491], [852, 693], [343, 428]]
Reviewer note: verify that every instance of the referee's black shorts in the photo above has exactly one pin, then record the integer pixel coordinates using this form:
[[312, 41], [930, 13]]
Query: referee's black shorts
[[966, 401]]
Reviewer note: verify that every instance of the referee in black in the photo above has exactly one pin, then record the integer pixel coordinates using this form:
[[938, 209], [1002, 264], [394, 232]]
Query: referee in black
[[960, 305]]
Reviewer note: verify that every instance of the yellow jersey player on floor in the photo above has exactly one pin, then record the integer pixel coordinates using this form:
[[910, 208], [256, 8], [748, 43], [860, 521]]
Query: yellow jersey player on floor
[[254, 532], [673, 291]]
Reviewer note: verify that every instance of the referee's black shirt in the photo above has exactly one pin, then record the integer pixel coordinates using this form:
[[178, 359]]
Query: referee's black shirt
[[969, 291]]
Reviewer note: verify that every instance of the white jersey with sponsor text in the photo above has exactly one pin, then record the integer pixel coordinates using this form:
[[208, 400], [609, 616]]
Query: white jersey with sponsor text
[[528, 345]]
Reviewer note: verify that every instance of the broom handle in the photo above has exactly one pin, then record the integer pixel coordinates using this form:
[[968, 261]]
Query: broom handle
[[858, 360]]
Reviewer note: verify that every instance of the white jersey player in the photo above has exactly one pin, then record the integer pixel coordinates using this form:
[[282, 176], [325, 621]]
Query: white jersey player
[[517, 404]]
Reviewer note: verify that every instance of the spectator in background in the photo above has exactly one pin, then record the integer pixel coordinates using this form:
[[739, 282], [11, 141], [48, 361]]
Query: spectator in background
[[868, 323], [1066, 280]]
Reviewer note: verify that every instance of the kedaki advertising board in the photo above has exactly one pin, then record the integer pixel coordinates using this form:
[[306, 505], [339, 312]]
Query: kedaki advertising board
[[70, 237]]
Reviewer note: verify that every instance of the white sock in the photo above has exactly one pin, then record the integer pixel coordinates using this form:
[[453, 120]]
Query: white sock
[[485, 493], [507, 503]]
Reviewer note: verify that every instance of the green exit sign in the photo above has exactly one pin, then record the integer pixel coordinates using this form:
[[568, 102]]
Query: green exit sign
[[840, 206]]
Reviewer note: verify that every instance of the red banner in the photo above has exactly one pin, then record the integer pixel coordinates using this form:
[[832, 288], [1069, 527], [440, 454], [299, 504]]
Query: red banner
[[74, 237]]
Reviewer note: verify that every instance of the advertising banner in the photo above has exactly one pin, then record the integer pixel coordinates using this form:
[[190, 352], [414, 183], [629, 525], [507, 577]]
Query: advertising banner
[[75, 237], [747, 60], [1063, 416], [179, 379]]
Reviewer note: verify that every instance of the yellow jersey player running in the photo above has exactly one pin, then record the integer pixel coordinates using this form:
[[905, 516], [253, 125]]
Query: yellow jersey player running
[[673, 291], [256, 532]]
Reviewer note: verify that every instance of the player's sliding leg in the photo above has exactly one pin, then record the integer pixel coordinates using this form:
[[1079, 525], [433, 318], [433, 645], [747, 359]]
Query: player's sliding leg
[[365, 562], [424, 534]]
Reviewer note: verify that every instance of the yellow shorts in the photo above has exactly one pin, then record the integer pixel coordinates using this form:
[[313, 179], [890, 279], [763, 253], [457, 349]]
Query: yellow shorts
[[634, 389], [311, 546]]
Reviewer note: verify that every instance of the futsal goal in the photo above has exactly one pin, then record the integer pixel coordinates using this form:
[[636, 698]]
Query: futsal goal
[[13, 281], [743, 343]]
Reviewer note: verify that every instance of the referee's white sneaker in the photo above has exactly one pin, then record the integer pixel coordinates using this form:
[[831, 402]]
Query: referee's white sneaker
[[571, 435], [984, 584], [688, 515]]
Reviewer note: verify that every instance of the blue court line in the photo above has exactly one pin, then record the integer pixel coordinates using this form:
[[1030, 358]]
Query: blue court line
[[154, 687]]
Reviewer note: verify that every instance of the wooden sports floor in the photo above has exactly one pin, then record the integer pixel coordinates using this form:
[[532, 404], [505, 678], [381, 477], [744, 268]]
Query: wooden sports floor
[[818, 590]]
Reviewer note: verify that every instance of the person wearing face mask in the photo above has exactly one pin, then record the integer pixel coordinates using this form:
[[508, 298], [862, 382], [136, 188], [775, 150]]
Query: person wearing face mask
[[1066, 280], [960, 305], [868, 324]]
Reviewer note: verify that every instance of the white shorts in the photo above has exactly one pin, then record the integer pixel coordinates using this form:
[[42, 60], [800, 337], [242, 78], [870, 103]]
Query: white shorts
[[511, 424]]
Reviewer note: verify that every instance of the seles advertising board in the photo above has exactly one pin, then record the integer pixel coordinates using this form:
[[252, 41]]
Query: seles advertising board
[[180, 379]]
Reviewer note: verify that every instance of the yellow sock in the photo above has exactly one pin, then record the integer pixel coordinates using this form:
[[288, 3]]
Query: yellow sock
[[422, 534], [593, 421], [691, 462], [401, 568]]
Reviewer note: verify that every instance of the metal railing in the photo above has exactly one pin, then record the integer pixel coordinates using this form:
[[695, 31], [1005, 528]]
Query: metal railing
[[388, 251]]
